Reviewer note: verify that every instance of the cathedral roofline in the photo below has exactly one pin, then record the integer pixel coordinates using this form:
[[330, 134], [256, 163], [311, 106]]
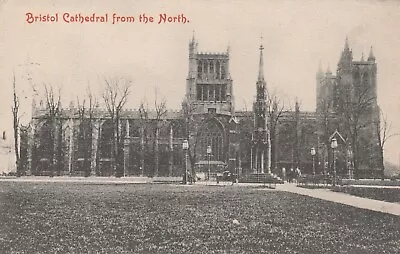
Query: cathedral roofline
[[103, 114], [213, 54]]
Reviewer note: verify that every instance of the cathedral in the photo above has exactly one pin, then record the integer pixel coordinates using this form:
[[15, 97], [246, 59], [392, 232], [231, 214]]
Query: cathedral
[[208, 135]]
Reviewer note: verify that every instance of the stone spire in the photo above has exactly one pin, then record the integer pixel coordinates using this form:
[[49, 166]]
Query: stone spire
[[261, 157], [346, 44], [261, 66], [362, 57]]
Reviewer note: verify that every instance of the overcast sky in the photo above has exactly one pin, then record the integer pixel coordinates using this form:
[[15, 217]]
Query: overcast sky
[[297, 35]]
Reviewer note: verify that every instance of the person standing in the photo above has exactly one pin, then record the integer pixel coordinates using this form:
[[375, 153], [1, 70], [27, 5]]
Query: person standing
[[283, 174]]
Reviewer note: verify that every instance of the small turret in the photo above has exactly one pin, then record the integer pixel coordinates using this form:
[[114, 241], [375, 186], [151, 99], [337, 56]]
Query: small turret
[[320, 72], [192, 46], [371, 57], [362, 57], [328, 70], [71, 105], [346, 44], [297, 105]]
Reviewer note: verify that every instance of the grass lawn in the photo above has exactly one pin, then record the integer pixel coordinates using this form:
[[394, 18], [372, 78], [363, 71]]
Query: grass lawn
[[149, 218], [384, 194]]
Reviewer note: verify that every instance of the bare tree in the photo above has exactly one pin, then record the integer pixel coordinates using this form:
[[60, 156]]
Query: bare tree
[[86, 116], [16, 127], [54, 127], [383, 129], [325, 123], [356, 105], [188, 110], [115, 97], [161, 111], [276, 107]]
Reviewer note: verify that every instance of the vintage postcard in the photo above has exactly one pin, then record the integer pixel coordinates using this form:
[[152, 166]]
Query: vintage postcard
[[215, 126]]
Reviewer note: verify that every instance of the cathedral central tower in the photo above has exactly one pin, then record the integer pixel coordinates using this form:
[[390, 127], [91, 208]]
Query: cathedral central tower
[[209, 84]]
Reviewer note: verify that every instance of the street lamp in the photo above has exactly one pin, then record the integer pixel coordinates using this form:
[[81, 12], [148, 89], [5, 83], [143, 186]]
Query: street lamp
[[208, 157], [313, 155], [334, 145], [185, 147]]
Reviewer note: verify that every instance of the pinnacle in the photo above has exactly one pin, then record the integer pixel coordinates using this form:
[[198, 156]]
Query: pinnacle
[[371, 56]]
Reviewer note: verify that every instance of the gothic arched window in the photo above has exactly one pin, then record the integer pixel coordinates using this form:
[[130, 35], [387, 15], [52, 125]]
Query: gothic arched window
[[211, 134], [106, 139], [46, 141]]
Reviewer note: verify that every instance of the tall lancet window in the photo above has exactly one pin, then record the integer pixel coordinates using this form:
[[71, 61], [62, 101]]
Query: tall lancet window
[[366, 80], [205, 93], [212, 69], [217, 92], [223, 74], [199, 92], [223, 92], [199, 69], [212, 92], [218, 70]]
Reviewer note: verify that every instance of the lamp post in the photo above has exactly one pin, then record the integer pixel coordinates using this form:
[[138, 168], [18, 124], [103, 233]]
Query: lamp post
[[185, 147], [313, 156], [334, 145], [208, 158]]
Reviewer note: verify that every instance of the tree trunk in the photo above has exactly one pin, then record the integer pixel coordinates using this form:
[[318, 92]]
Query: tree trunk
[[16, 146], [382, 163], [142, 151], [15, 110], [355, 158], [53, 147], [60, 149], [156, 153]]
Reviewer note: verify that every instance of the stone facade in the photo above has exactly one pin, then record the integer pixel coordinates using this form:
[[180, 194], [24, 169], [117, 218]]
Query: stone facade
[[219, 137]]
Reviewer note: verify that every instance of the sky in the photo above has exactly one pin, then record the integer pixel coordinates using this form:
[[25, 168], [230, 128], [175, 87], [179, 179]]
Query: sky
[[297, 37]]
